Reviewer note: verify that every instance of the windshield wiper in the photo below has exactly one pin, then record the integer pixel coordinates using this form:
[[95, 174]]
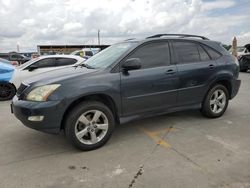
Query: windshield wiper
[[85, 65]]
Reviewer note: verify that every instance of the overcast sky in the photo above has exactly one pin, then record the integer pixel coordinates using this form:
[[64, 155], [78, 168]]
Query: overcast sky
[[32, 22]]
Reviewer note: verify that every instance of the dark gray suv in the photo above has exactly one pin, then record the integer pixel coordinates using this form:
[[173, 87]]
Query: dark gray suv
[[129, 80]]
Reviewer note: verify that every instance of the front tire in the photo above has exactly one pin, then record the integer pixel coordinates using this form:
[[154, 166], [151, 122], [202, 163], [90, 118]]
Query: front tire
[[89, 125], [7, 91], [216, 102]]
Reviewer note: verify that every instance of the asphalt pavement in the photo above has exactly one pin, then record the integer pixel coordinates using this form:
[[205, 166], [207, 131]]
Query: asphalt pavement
[[176, 150]]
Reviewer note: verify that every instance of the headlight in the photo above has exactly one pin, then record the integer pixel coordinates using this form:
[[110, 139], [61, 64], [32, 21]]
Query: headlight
[[42, 93]]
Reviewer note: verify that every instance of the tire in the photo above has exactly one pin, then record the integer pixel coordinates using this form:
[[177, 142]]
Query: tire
[[86, 120], [243, 62], [221, 102], [7, 91], [243, 69]]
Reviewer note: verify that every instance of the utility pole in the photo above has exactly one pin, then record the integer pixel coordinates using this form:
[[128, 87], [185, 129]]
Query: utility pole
[[18, 47], [98, 35]]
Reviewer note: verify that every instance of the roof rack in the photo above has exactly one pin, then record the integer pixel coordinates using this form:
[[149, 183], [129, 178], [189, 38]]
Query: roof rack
[[178, 35]]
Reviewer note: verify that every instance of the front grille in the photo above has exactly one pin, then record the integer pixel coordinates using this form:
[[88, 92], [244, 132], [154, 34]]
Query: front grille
[[21, 89]]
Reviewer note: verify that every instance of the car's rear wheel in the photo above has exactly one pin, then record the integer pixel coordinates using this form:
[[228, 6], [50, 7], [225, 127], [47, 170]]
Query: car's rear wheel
[[243, 62], [7, 91], [89, 125], [216, 102]]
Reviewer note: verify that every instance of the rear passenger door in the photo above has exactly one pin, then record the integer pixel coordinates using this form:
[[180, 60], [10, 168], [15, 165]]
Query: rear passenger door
[[196, 69], [154, 85]]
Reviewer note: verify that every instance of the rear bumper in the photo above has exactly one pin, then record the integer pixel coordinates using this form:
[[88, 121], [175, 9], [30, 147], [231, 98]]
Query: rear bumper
[[235, 88], [51, 110]]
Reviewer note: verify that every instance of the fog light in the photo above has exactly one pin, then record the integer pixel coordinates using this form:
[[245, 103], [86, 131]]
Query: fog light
[[35, 118]]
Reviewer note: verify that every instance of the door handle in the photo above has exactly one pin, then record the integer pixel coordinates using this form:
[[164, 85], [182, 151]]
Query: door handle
[[170, 71], [211, 66]]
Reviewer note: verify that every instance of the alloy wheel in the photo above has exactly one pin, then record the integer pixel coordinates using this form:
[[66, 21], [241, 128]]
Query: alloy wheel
[[5, 91], [91, 127], [217, 101]]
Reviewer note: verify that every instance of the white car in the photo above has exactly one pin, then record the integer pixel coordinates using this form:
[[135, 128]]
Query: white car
[[43, 64], [241, 50]]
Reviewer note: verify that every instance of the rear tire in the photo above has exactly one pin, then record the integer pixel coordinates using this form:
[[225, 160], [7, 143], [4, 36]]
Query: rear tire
[[243, 62], [89, 125], [216, 102], [243, 70], [7, 91]]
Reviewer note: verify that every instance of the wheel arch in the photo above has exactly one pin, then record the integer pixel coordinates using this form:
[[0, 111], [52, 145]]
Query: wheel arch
[[6, 82], [223, 81], [100, 97]]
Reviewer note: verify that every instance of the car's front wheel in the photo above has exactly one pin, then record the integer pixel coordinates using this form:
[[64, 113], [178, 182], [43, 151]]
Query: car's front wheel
[[7, 91], [216, 102], [89, 125]]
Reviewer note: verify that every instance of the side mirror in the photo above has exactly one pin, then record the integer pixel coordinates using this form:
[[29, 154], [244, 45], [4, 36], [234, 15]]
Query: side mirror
[[32, 67], [131, 64]]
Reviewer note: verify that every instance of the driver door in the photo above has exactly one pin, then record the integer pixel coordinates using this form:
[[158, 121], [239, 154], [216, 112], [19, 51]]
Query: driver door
[[152, 87]]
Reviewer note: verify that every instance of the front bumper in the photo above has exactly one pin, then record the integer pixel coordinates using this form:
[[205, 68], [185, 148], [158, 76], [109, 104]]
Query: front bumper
[[51, 110], [235, 88]]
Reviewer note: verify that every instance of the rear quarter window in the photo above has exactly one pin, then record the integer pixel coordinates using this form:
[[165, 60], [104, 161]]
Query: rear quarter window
[[212, 53], [203, 54]]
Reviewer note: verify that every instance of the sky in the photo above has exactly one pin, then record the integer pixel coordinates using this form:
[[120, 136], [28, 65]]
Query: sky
[[29, 23]]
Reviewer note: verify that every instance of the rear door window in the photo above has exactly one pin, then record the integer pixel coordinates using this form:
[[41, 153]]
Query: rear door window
[[186, 52], [44, 63], [65, 61]]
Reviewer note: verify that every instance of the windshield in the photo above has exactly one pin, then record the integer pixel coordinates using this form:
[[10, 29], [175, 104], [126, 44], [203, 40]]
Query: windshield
[[108, 56]]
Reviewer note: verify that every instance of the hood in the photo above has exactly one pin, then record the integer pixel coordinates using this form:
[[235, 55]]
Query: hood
[[56, 76]]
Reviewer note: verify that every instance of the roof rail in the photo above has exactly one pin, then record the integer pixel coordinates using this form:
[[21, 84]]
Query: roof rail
[[178, 35]]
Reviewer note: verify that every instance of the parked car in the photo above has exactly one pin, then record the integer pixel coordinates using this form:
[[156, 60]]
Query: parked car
[[7, 90], [41, 65], [244, 58], [129, 80], [13, 56], [85, 53], [240, 50], [14, 63]]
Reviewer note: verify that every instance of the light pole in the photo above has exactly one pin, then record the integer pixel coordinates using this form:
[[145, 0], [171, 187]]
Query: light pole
[[98, 35]]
